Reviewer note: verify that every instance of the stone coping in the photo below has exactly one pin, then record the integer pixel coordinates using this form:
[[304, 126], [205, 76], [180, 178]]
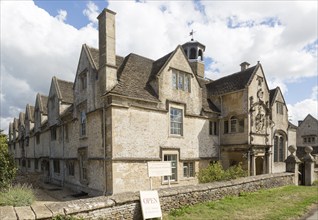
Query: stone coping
[[47, 211]]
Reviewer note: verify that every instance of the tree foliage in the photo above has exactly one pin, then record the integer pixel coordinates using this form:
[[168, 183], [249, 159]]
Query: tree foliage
[[7, 165], [215, 172]]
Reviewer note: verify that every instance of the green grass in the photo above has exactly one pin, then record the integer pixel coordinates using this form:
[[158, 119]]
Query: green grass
[[19, 195], [287, 202]]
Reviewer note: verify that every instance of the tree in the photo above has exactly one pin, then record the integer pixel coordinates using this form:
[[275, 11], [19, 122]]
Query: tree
[[7, 165]]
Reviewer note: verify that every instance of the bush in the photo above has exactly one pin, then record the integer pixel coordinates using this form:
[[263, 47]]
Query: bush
[[7, 165], [19, 195], [215, 172]]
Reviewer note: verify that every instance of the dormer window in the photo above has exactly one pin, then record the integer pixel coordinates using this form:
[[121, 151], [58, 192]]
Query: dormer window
[[83, 124], [83, 80], [181, 81], [279, 108]]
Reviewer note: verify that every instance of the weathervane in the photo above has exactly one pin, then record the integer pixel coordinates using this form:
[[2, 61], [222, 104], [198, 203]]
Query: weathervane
[[191, 34]]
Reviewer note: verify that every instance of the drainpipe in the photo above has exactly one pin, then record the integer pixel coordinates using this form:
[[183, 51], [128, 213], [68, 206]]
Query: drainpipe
[[104, 147], [63, 144], [221, 101]]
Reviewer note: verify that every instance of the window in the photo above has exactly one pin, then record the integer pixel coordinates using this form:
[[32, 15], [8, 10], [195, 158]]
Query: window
[[56, 166], [175, 121], [53, 133], [181, 81], [83, 165], [70, 168], [280, 108], [279, 146], [310, 139], [29, 163], [213, 128], [188, 169], [37, 138], [83, 78], [233, 122], [234, 125], [193, 53], [173, 159], [83, 123]]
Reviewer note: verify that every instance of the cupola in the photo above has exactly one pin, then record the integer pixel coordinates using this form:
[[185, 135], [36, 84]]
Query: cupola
[[194, 51]]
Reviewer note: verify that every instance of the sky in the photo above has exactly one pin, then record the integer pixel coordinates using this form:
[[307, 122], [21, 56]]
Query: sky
[[41, 39]]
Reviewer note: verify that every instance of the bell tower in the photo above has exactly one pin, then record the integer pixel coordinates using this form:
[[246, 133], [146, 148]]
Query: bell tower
[[194, 51]]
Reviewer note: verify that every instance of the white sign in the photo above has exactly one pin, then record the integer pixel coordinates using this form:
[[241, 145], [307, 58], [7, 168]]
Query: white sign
[[162, 168], [150, 204]]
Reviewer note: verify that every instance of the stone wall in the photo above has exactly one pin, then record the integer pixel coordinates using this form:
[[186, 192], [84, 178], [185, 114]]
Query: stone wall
[[127, 206]]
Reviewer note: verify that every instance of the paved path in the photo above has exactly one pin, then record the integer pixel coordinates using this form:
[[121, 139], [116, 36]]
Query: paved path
[[314, 216]]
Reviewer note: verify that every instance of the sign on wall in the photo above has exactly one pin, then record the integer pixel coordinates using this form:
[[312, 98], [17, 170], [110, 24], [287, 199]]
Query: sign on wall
[[150, 204], [162, 168]]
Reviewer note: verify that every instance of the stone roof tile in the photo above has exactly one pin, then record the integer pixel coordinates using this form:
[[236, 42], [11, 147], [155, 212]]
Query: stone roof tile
[[231, 83], [133, 77], [66, 89], [207, 104]]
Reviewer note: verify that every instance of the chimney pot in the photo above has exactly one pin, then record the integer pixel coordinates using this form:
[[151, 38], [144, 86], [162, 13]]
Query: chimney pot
[[244, 66]]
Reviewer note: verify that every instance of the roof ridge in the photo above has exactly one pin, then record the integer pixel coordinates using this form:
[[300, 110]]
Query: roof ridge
[[236, 73]]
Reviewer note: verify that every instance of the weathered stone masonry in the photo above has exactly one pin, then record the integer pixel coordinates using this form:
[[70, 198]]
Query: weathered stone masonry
[[127, 206]]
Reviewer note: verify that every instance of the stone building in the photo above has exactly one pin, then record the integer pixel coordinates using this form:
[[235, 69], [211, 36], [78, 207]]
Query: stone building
[[307, 133], [98, 133]]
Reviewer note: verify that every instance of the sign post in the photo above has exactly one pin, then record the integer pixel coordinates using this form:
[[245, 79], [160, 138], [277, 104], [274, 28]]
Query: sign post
[[162, 168], [150, 204]]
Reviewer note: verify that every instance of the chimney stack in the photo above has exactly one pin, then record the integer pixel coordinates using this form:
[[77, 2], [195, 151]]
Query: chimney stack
[[107, 71], [244, 66]]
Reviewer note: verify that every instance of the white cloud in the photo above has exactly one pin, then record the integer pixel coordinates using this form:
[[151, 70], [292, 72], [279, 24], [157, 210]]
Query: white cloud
[[62, 14], [91, 12], [35, 46], [301, 109]]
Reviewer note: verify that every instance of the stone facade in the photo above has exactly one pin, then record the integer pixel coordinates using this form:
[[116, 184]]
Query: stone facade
[[98, 133]]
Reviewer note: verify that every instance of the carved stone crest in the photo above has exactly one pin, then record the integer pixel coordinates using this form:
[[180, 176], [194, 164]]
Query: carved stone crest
[[260, 120]]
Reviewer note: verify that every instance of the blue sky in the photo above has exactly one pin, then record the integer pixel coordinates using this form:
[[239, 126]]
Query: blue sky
[[74, 10], [282, 35]]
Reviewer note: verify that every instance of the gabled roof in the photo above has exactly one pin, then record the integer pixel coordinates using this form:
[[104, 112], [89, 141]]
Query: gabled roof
[[94, 57], [133, 77], [291, 125], [65, 90], [307, 118], [15, 124], [231, 83], [273, 94], [29, 112], [42, 102], [21, 118], [207, 104], [158, 64]]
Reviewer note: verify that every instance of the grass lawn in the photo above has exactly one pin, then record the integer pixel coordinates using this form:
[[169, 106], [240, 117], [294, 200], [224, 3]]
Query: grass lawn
[[288, 202], [18, 195]]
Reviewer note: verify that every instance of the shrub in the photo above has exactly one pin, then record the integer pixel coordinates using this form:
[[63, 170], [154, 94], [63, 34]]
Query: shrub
[[7, 165], [215, 172], [19, 195]]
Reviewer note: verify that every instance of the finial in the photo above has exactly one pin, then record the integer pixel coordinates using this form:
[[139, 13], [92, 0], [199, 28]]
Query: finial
[[191, 34]]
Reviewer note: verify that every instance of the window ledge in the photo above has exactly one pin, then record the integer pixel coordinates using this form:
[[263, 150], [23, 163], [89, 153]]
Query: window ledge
[[176, 136], [83, 138]]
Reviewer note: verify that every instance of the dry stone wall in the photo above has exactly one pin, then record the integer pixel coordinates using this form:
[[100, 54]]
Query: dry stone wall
[[127, 206]]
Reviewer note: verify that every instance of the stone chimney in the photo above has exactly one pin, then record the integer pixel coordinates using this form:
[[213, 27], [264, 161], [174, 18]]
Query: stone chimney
[[244, 66], [299, 122], [107, 72]]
